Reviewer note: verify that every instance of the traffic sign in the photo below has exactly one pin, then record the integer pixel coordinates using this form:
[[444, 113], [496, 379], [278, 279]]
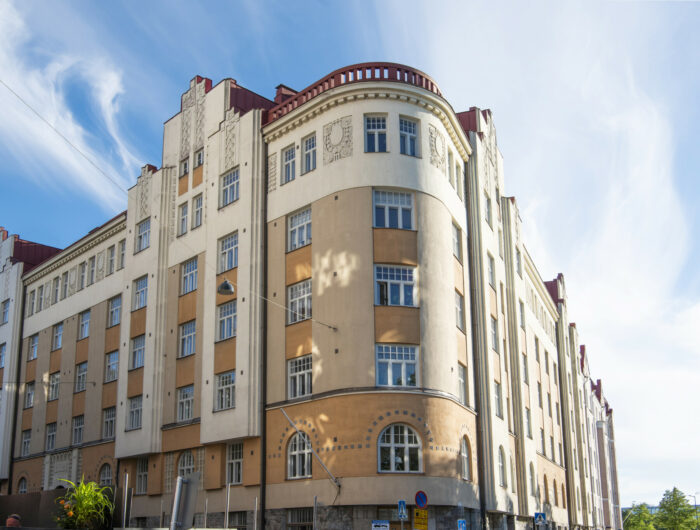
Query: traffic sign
[[403, 514], [461, 524], [380, 525], [420, 519], [540, 519], [421, 499]]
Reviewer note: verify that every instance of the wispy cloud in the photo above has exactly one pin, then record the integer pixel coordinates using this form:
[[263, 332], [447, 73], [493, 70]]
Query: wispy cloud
[[44, 85]]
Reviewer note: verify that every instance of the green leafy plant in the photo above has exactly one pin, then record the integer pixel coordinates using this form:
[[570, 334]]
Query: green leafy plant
[[675, 512], [85, 505], [639, 518]]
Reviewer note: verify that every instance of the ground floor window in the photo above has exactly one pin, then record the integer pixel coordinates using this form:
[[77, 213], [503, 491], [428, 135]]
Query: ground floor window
[[300, 518]]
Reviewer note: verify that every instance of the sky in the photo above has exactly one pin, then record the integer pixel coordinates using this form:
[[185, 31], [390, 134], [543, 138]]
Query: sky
[[596, 107]]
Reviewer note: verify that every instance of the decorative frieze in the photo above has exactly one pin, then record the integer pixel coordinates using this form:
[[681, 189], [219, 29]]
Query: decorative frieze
[[437, 148], [337, 139], [272, 172]]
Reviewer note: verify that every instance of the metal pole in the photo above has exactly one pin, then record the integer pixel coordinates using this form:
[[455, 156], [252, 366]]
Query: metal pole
[[255, 519], [161, 513], [315, 501], [125, 521], [206, 510], [228, 493], [174, 523]]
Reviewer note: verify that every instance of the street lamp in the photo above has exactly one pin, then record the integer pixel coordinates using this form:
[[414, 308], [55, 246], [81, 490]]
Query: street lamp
[[226, 288]]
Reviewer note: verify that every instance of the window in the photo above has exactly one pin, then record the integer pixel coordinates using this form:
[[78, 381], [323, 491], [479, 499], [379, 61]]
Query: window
[[491, 271], [299, 456], [143, 235], [56, 290], [459, 310], [189, 276], [133, 419], [234, 463], [299, 229], [225, 390], [457, 242], [122, 254], [488, 209], [549, 403], [111, 366], [26, 441], [500, 243], [185, 465], [542, 448], [526, 372], [394, 285], [185, 403], [498, 396], [533, 483], [450, 175], [84, 325], [64, 285], [462, 381], [187, 339], [199, 158], [140, 292], [40, 294], [141, 476], [537, 349], [458, 178], [551, 447], [3, 350], [522, 313], [229, 188], [299, 377], [197, 211], [33, 347], [396, 365], [399, 450], [502, 479], [109, 416], [494, 334], [80, 377], [408, 135], [228, 252], [111, 254], [182, 224], [309, 160], [114, 311], [393, 209], [184, 166], [375, 134], [78, 423], [465, 458], [539, 394], [91, 271], [519, 262], [138, 348], [227, 320], [57, 336], [22, 484], [29, 395], [528, 423], [54, 385], [558, 414], [51, 436], [105, 475], [299, 300], [288, 161]]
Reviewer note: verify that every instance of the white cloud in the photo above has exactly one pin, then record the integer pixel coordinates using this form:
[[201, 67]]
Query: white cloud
[[48, 159]]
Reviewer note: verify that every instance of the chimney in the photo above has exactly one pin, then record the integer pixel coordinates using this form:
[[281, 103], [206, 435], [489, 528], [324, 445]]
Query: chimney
[[283, 93], [3, 233]]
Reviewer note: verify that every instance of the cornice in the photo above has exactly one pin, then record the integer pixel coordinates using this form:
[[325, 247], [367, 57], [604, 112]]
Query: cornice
[[372, 91]]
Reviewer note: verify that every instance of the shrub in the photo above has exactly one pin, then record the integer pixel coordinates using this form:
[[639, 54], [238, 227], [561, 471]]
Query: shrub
[[85, 505]]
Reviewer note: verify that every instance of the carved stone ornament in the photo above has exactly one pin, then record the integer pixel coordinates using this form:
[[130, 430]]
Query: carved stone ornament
[[437, 148], [272, 172], [199, 116], [72, 276], [337, 139], [230, 134], [144, 193], [100, 266], [172, 209]]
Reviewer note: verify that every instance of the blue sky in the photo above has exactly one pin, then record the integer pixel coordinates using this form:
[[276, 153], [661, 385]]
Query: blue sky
[[597, 112]]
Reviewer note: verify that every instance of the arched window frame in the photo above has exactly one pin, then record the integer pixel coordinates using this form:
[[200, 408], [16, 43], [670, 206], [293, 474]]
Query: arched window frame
[[390, 440], [105, 475], [502, 472], [465, 454], [299, 456], [185, 463], [22, 485]]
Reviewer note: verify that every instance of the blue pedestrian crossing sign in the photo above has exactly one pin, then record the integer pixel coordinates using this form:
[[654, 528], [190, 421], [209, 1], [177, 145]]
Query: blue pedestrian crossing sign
[[403, 514], [461, 524], [540, 519]]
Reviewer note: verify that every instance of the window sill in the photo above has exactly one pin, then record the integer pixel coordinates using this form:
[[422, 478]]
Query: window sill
[[396, 228], [110, 381], [129, 429], [181, 234], [133, 369], [223, 410], [56, 349], [221, 207], [184, 356], [188, 292], [138, 251], [83, 338], [138, 308], [401, 472], [227, 270], [78, 391], [377, 152], [289, 251], [309, 477], [52, 399], [298, 321], [219, 341], [113, 325], [411, 156]]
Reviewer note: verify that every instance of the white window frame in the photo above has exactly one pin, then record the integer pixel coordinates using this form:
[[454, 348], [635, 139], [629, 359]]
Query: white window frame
[[234, 463], [502, 478], [498, 399], [227, 320], [80, 377], [299, 297], [299, 456], [26, 443], [309, 153], [182, 219], [33, 347], [137, 352], [395, 437], [57, 338], [299, 377], [29, 395], [5, 311], [457, 242], [526, 372], [185, 403], [3, 350], [491, 270], [111, 258], [64, 285], [375, 129], [528, 422], [109, 423], [105, 475], [32, 300], [56, 291], [393, 208], [51, 436], [408, 136], [288, 158], [225, 391], [462, 381], [188, 338], [489, 213], [459, 310], [465, 459], [494, 334], [111, 366], [197, 207], [390, 358], [122, 254], [91, 271], [228, 252], [299, 229], [229, 186], [54, 386], [141, 476], [140, 292], [390, 280], [40, 296], [185, 464], [114, 314], [450, 168], [185, 167], [134, 413], [78, 429], [188, 273], [84, 325], [199, 158], [143, 235]]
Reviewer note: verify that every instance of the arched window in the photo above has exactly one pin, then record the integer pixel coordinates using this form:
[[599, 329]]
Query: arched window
[[556, 493], [533, 483], [22, 485], [105, 475], [546, 490], [465, 456], [299, 456], [400, 450], [185, 465], [512, 475], [563, 497], [502, 480]]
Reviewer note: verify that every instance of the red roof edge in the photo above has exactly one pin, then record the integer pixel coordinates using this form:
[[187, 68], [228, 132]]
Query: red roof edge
[[32, 254]]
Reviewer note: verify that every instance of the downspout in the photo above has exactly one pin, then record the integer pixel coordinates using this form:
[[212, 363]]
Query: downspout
[[17, 381], [263, 372]]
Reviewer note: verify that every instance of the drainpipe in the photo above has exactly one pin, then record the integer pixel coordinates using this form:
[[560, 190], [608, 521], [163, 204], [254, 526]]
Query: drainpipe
[[263, 371], [17, 381]]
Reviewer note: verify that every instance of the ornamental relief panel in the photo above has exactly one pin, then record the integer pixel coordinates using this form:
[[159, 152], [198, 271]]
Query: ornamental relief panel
[[100, 259], [230, 139], [272, 172], [144, 194], [337, 139], [72, 276], [437, 148], [172, 209], [199, 116]]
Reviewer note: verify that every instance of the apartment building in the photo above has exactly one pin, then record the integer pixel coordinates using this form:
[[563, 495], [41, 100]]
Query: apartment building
[[322, 304]]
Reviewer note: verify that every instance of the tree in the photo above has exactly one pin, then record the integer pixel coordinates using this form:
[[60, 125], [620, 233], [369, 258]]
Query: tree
[[675, 512], [639, 518]]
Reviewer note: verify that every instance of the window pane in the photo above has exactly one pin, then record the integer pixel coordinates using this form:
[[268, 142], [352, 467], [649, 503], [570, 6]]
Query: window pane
[[393, 217]]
